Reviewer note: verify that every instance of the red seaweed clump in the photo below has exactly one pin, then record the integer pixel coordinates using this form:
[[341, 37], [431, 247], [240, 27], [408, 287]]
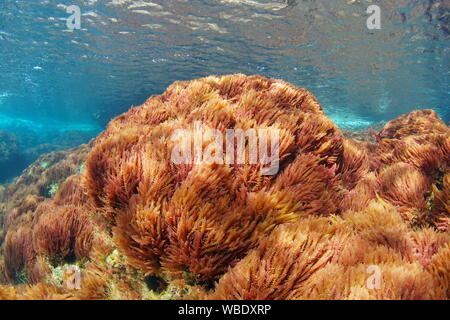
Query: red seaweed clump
[[339, 218], [202, 218]]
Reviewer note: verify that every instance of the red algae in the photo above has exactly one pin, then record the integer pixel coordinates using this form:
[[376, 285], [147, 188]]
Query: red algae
[[337, 206]]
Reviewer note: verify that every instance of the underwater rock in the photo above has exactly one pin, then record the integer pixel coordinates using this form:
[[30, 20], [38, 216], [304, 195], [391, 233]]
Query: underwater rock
[[365, 134], [140, 226], [16, 154], [55, 141], [8, 146], [11, 161], [38, 182]]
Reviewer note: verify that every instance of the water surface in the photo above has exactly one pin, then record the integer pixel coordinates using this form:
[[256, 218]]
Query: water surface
[[54, 82]]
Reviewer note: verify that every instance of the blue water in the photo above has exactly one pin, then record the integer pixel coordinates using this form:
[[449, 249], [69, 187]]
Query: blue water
[[56, 83]]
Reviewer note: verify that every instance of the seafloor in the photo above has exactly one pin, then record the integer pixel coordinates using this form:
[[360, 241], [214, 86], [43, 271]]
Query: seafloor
[[349, 215]]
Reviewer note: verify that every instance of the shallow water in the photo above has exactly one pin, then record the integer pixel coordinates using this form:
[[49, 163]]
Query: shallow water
[[56, 84]]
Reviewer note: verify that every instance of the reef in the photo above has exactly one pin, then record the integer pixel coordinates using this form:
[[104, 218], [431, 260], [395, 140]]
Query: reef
[[342, 218]]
